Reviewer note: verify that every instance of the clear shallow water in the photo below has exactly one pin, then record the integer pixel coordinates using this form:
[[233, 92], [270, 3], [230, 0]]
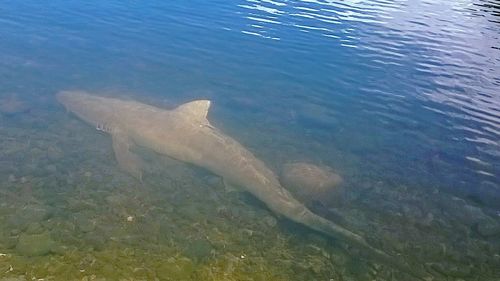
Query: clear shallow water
[[400, 98]]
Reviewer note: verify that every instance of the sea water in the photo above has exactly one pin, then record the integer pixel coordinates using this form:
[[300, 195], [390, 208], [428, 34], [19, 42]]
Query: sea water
[[399, 98]]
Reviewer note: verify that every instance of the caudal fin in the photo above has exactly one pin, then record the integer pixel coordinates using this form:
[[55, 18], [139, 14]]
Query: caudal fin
[[331, 229]]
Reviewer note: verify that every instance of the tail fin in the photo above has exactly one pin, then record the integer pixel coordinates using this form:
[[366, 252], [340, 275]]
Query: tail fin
[[331, 229]]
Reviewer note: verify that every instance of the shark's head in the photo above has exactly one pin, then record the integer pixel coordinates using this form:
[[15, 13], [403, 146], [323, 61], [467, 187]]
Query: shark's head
[[86, 106], [62, 97], [68, 97]]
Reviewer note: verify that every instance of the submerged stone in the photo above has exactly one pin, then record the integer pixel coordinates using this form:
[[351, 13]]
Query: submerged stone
[[270, 221], [84, 222], [488, 228], [198, 250], [35, 228], [34, 244], [452, 270], [54, 153], [9, 242], [175, 269], [16, 278], [28, 215], [116, 199], [13, 105], [316, 114], [308, 182]]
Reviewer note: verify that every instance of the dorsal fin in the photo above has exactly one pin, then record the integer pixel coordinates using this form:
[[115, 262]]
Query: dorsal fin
[[196, 109]]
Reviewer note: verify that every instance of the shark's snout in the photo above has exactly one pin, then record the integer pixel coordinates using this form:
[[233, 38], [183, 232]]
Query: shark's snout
[[63, 97]]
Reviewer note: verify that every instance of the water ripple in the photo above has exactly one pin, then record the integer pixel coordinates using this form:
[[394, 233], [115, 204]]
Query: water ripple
[[428, 69], [444, 55]]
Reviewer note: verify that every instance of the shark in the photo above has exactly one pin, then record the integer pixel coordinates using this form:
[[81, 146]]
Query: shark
[[184, 133]]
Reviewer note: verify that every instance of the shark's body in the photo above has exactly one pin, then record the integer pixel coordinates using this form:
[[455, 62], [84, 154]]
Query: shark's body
[[186, 135]]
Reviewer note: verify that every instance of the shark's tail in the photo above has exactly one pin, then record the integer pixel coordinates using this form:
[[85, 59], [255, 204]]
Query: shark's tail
[[308, 218], [283, 202]]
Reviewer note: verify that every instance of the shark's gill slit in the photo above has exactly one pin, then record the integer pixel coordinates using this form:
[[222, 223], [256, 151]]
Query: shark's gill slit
[[103, 128]]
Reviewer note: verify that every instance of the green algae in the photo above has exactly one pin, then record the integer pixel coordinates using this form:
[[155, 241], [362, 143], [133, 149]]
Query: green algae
[[34, 244], [198, 250], [186, 227]]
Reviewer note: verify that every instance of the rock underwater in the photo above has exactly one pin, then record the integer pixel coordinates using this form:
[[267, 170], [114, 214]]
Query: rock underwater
[[309, 183], [13, 105]]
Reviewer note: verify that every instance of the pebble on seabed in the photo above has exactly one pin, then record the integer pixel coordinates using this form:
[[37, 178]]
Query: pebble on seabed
[[12, 178], [309, 182]]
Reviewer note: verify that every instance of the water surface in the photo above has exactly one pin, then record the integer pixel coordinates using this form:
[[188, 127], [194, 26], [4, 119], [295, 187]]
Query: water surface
[[401, 98]]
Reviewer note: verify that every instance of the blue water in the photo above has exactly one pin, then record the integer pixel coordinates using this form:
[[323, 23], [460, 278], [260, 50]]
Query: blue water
[[401, 98]]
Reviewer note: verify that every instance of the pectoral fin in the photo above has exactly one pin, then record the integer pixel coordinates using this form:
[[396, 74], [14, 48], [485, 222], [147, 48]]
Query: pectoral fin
[[127, 160]]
